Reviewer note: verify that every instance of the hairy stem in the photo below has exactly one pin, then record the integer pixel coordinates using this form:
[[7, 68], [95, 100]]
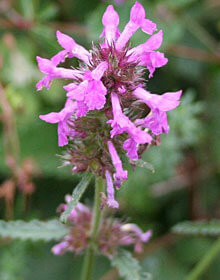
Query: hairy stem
[[205, 262], [90, 252]]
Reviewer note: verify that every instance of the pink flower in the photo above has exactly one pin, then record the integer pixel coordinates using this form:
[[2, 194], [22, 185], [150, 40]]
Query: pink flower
[[139, 237], [159, 104], [49, 68], [120, 174], [112, 235], [137, 20], [62, 119], [147, 55], [72, 48], [60, 248], [105, 97], [110, 191], [121, 124], [132, 149], [90, 93], [165, 102], [156, 122]]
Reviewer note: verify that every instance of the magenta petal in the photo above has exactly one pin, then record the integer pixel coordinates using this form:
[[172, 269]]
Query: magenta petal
[[146, 236], [148, 26], [62, 134], [95, 97], [110, 21], [131, 147], [110, 191], [157, 60], [60, 248], [45, 65], [164, 102], [65, 41], [110, 16], [61, 118], [78, 93], [45, 82], [99, 71], [120, 174], [155, 41], [51, 117], [137, 14], [121, 124], [137, 20], [157, 122], [73, 49], [167, 101], [70, 86], [59, 57], [82, 109]]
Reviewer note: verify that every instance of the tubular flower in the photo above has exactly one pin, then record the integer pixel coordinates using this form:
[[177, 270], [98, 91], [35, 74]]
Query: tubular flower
[[112, 235], [108, 112]]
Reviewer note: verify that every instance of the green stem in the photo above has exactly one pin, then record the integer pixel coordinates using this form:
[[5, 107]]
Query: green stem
[[90, 252], [205, 262]]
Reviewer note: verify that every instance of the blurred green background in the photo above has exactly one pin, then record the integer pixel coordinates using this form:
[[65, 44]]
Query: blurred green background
[[185, 185]]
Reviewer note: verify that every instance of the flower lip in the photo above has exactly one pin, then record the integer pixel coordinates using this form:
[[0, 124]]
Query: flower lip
[[137, 14], [110, 16]]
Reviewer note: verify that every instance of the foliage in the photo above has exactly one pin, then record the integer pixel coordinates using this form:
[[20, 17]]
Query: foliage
[[129, 267], [33, 230], [76, 195], [205, 228], [13, 262]]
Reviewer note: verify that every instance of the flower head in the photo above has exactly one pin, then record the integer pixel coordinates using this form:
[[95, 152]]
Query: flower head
[[109, 113], [112, 235]]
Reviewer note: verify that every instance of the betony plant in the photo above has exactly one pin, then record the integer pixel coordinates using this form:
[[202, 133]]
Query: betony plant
[[108, 115]]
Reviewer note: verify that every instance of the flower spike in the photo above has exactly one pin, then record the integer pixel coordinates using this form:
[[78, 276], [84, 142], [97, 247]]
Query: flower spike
[[108, 113]]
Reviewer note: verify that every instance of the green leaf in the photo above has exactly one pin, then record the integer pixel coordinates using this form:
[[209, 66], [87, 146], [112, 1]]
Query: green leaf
[[144, 164], [33, 230], [48, 12], [27, 8], [211, 228], [76, 195], [128, 267]]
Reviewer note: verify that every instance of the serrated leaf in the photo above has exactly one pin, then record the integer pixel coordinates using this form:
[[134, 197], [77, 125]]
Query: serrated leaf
[[211, 228], [76, 195], [128, 267], [33, 230], [144, 164]]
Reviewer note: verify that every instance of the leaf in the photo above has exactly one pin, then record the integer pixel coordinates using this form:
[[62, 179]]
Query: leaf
[[76, 195], [27, 8], [33, 230], [129, 267], [144, 164], [211, 228], [48, 12]]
